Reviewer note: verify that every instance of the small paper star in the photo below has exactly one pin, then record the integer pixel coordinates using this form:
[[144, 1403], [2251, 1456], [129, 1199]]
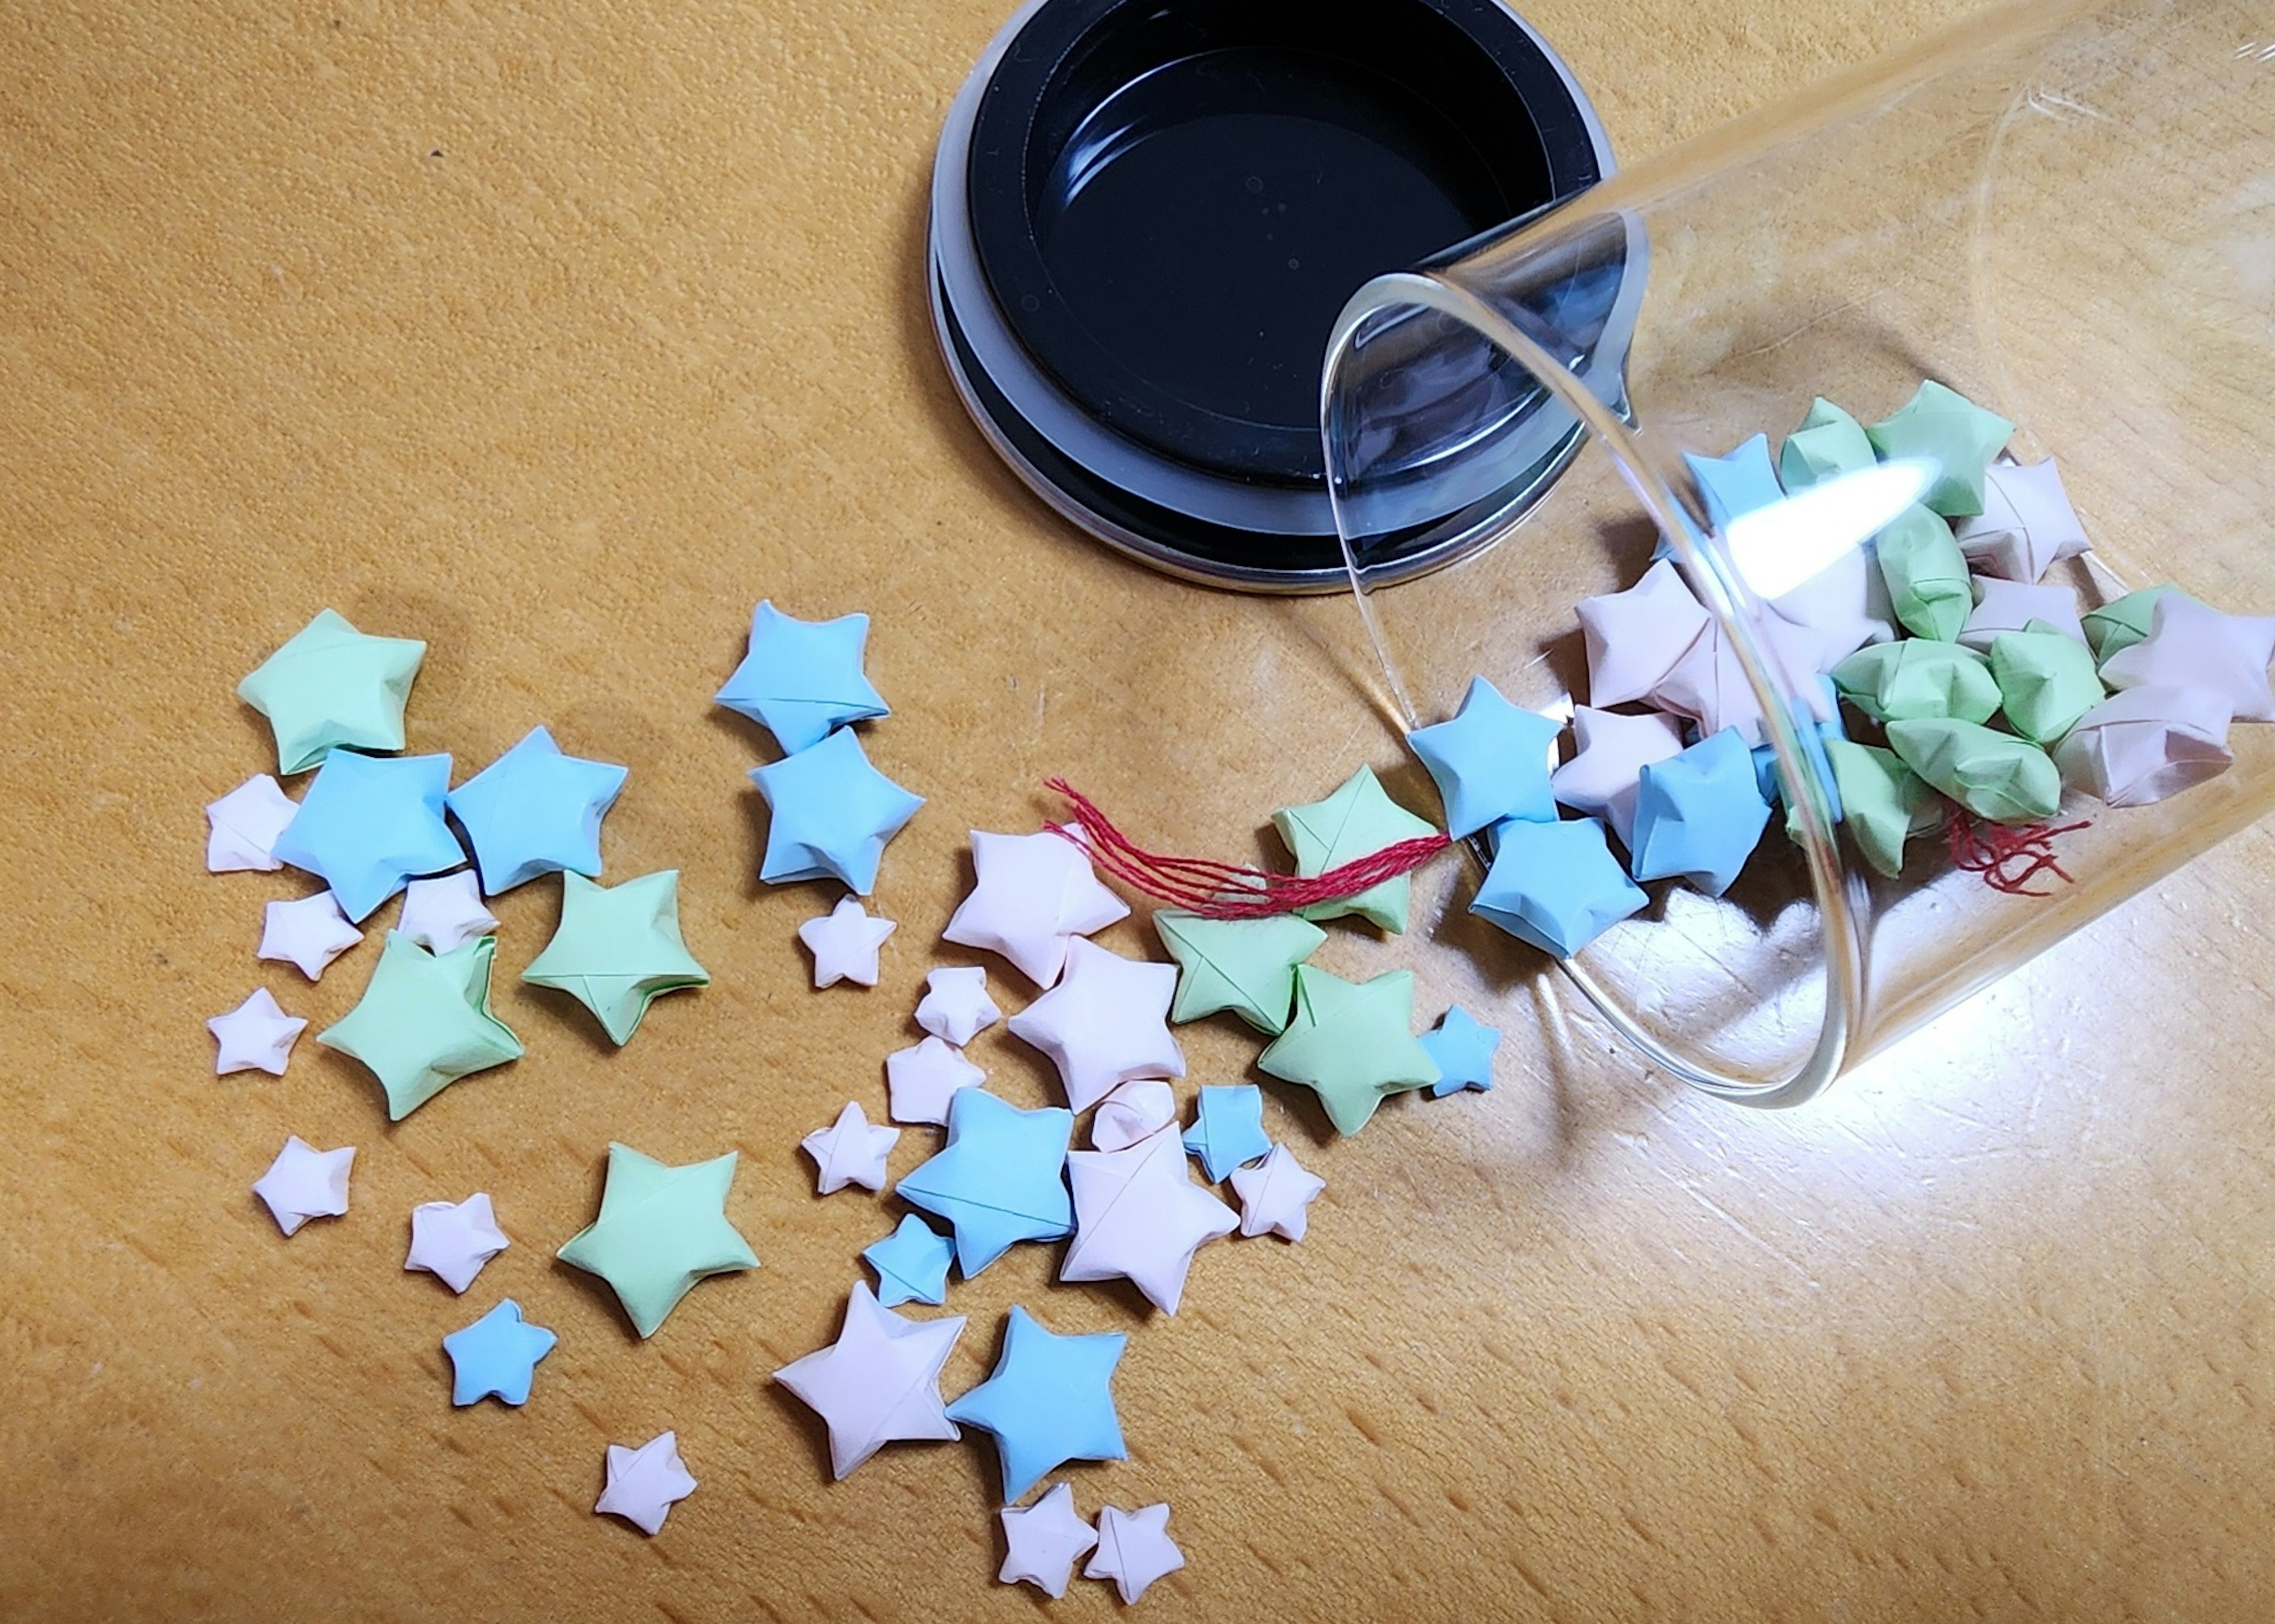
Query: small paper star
[[1227, 1128], [1130, 1113], [833, 814], [445, 914], [1929, 588], [368, 824], [305, 1182], [920, 1082], [1353, 1045], [1275, 1195], [645, 1483], [1709, 686], [2047, 682], [1556, 885], [1356, 821], [878, 1382], [256, 1035], [2027, 525], [1952, 435], [424, 1021], [803, 678], [618, 949], [911, 1264], [1828, 443], [534, 811], [1045, 1540], [332, 685], [1463, 1050], [845, 943], [850, 1151], [308, 931], [2189, 645], [660, 1229], [1881, 799], [1105, 1022], [496, 1355], [1050, 1400], [999, 1179], [1845, 604], [1635, 638], [1606, 774], [1699, 814], [2147, 743], [1994, 775], [2011, 605], [1033, 894], [1913, 677], [1139, 1216], [1134, 1549], [243, 825], [452, 1240], [1490, 762], [1743, 481], [1247, 966], [955, 1007]]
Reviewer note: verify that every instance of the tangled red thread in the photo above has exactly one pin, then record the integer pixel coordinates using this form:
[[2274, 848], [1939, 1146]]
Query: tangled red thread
[[1226, 890], [2008, 858]]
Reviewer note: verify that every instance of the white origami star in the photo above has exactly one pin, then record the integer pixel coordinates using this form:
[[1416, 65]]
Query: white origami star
[[2190, 646], [1635, 638], [850, 1151], [1138, 1214], [1276, 1195], [1845, 604], [845, 943], [1106, 1022], [244, 824], [2010, 606], [1131, 1112], [955, 1007], [1045, 1539], [305, 1182], [1709, 686], [1134, 1549], [878, 1382], [1035, 893], [2147, 743], [445, 913], [918, 1081], [1604, 776], [256, 1035], [2027, 525], [309, 930], [452, 1240], [644, 1484]]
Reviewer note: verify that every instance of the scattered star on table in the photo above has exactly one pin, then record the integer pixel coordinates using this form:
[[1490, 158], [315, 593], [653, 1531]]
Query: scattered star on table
[[911, 1264], [845, 943], [1247, 966], [1699, 814], [1828, 443], [618, 949], [535, 810], [1134, 1549], [1635, 638], [1953, 436], [1130, 1113], [803, 678], [332, 685], [307, 931], [645, 1483], [1606, 775], [1353, 1044], [444, 914], [1227, 1128], [305, 1182], [955, 1007], [1463, 1050], [2027, 525], [1050, 1400], [2147, 743], [424, 1021], [660, 1229], [368, 825], [1556, 885], [833, 814], [1033, 894], [1490, 762], [256, 1035], [878, 1382], [1105, 1022], [2002, 607], [1139, 1215], [496, 1355], [452, 1240], [1044, 1542], [850, 1151], [1356, 821], [999, 1180], [1275, 1195], [243, 826], [2190, 646], [920, 1082]]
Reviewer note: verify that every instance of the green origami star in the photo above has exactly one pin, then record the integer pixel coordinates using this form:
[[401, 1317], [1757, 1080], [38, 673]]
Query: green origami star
[[331, 685], [1247, 966], [2115, 627], [660, 1229], [425, 1021], [1351, 1043], [1882, 801], [1956, 437], [618, 949], [1994, 775], [2046, 681], [1928, 583], [1355, 821]]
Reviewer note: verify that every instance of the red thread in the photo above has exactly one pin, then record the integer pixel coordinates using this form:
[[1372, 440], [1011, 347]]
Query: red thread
[[1991, 849], [1224, 890]]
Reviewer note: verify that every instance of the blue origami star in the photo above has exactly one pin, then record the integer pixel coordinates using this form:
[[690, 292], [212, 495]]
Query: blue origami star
[[833, 814], [1491, 761], [802, 677], [911, 1264], [369, 823], [999, 1180], [497, 1354], [1744, 482], [1050, 1400], [1556, 885], [1464, 1051], [1699, 814], [1228, 1128], [534, 811], [1813, 740]]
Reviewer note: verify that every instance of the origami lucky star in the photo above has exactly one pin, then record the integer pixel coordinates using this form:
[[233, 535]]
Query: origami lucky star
[[1247, 966], [1034, 894], [1994, 775], [243, 826], [305, 1182], [1925, 574], [1354, 1045], [445, 913], [645, 1483], [1828, 443], [2189, 645], [1356, 821], [1606, 774], [1709, 686], [1699, 814], [1952, 434], [660, 1229], [1139, 1215], [1845, 604], [1227, 1128], [878, 1382], [845, 943], [424, 1021], [999, 1179], [1104, 1024], [534, 811], [911, 1264], [1463, 1050], [1134, 1110], [1882, 801], [332, 685], [1556, 885], [496, 1355], [368, 824], [1917, 677], [803, 678], [956, 1008], [618, 949], [1741, 482], [308, 931], [1490, 762], [833, 814], [2147, 743], [452, 1240], [850, 1151], [2046, 681], [920, 1082], [1276, 1195], [1134, 1549], [1043, 1542], [2119, 625], [2027, 525], [2011, 605], [1635, 638], [1050, 1400], [256, 1035]]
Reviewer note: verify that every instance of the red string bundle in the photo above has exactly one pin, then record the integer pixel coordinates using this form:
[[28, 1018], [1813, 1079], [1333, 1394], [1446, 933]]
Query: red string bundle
[[1994, 850]]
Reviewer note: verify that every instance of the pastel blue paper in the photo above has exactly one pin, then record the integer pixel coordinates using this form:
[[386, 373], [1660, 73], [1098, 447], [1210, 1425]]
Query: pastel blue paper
[[370, 824], [803, 678], [911, 1264], [1463, 1050], [1700, 815], [999, 1179], [833, 813], [497, 1354], [1813, 740], [534, 811], [1490, 762], [1050, 1400], [1557, 885], [1741, 482], [1228, 1129]]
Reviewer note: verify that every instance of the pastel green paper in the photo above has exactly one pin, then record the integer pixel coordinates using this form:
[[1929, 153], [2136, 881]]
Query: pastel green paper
[[331, 685], [424, 1021], [2116, 626], [1356, 821], [1957, 438], [1913, 679], [1247, 966], [1926, 573], [1994, 775], [618, 949], [660, 1229], [1828, 443], [1352, 1045], [2046, 680], [1882, 798]]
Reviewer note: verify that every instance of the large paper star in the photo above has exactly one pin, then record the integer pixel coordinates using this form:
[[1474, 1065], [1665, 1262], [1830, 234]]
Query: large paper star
[[618, 949], [243, 826], [1953, 436], [1134, 1549], [534, 811], [660, 1229], [2027, 525], [331, 685], [453, 1240], [256, 1035], [802, 678], [1463, 1049], [1635, 638], [1352, 1045], [2147, 743], [1227, 1128], [920, 1082], [1699, 814], [850, 1151], [1356, 821], [2189, 645], [1139, 1215], [1556, 885], [424, 1021], [305, 1182], [498, 1355], [1605, 775], [845, 943], [1043, 1542], [1275, 1195], [1000, 1178], [1105, 1022], [878, 1382], [956, 1008], [833, 814], [1033, 894], [368, 825], [1050, 1400], [1490, 762], [911, 1264], [1247, 966], [645, 1483]]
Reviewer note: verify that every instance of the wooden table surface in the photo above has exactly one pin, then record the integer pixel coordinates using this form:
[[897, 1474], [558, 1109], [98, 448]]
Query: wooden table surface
[[557, 336]]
